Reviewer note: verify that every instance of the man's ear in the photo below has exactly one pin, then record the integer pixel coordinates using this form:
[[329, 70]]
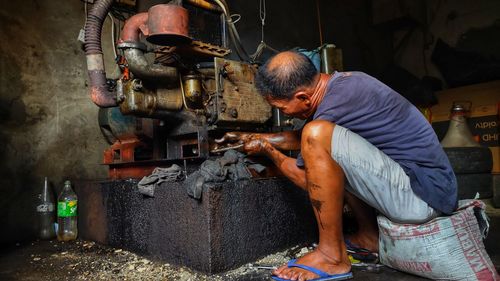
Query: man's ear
[[303, 96]]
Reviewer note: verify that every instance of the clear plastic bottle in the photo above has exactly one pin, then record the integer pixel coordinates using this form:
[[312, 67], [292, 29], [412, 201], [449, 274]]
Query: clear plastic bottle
[[67, 204], [46, 213]]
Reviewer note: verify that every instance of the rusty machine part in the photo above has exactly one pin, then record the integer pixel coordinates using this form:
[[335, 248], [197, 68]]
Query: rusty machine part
[[137, 100], [117, 127], [195, 48], [175, 106], [192, 88], [168, 25], [238, 100]]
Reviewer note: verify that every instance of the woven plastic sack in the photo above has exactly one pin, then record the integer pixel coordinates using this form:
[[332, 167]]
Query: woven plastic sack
[[445, 248]]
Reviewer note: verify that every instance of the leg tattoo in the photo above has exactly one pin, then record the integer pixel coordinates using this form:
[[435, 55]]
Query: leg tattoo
[[317, 206]]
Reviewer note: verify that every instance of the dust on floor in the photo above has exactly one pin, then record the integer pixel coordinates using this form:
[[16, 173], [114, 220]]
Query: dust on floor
[[85, 260]]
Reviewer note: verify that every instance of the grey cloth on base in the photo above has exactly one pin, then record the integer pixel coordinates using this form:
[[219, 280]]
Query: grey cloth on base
[[148, 184], [231, 165]]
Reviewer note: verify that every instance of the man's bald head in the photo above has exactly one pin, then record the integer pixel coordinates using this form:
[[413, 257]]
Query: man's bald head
[[284, 73], [284, 59]]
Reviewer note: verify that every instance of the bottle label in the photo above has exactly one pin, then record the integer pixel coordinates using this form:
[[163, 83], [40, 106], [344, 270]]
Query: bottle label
[[44, 208], [66, 208]]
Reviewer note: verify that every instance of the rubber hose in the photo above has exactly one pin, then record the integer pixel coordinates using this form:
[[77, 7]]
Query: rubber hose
[[93, 26], [100, 93]]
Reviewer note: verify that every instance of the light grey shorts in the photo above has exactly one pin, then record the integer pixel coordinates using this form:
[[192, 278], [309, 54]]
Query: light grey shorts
[[378, 180]]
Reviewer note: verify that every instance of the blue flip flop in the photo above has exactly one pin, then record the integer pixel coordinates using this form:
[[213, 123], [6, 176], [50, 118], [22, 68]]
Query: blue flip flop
[[323, 276]]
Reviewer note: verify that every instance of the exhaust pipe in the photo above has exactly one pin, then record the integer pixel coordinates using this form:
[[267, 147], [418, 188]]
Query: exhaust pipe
[[163, 24], [100, 93], [134, 50]]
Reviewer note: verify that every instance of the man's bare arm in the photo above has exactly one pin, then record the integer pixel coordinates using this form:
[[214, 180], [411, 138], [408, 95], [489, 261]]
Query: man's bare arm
[[288, 140]]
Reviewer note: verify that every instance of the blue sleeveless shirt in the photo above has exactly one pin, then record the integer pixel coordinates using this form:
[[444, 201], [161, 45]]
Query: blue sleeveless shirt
[[387, 120]]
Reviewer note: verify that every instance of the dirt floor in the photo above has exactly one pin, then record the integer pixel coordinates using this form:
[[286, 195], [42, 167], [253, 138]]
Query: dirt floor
[[84, 260]]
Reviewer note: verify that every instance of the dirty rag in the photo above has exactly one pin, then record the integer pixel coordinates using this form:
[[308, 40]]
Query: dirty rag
[[230, 166], [148, 184]]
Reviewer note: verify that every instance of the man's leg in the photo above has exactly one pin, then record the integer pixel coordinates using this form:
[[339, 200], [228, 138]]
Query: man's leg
[[367, 234], [325, 184], [377, 180]]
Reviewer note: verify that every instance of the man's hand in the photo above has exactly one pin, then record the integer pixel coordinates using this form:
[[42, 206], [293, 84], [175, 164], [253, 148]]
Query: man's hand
[[269, 144], [256, 145], [253, 143]]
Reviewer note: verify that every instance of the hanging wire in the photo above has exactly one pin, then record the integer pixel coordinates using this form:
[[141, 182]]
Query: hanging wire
[[262, 15], [318, 11], [262, 45], [233, 33], [113, 42], [238, 18], [223, 7]]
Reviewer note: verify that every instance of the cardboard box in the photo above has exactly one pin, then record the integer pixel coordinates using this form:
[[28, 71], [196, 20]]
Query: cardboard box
[[484, 114]]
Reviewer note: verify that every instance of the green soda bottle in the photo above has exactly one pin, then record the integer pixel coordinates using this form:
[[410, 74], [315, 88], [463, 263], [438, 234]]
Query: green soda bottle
[[67, 204]]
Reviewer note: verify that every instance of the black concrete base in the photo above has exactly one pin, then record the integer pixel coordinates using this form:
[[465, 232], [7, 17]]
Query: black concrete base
[[234, 223]]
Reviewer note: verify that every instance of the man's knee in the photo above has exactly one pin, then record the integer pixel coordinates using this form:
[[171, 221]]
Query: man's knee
[[317, 135]]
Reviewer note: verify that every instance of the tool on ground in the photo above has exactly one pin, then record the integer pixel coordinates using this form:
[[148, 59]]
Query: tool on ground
[[260, 266], [370, 267]]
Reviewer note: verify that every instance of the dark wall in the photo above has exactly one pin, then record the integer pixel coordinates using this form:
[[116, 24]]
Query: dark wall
[[471, 26], [294, 23], [349, 25], [48, 125]]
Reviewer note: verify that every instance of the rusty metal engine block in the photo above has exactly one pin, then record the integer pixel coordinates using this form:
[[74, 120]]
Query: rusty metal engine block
[[172, 108]]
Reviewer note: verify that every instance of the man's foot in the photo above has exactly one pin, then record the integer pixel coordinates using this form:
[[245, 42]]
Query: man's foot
[[366, 241], [317, 260]]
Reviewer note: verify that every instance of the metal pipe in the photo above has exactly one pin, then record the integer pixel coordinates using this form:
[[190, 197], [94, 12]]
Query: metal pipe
[[141, 68], [134, 51], [134, 26], [100, 93]]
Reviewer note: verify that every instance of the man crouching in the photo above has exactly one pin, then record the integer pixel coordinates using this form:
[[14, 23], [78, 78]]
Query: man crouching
[[363, 143]]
